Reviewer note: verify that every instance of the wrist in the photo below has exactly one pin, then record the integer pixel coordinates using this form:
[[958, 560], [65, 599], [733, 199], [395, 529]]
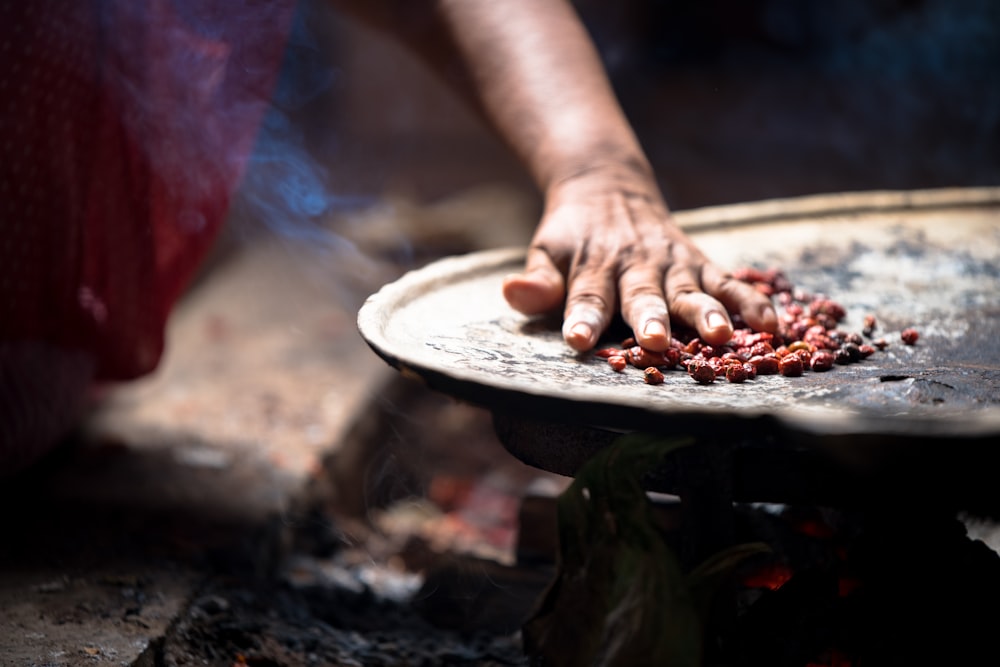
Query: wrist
[[626, 174]]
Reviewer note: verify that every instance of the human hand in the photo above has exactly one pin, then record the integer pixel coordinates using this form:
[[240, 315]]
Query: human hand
[[607, 242]]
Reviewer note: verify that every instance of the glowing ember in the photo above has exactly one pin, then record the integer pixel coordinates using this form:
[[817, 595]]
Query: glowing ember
[[771, 576]]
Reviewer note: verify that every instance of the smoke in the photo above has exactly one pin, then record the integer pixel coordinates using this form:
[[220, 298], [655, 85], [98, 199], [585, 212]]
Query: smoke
[[285, 188], [212, 92]]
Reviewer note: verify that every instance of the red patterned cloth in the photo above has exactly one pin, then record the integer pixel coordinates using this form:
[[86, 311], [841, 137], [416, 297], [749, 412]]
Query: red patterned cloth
[[125, 127]]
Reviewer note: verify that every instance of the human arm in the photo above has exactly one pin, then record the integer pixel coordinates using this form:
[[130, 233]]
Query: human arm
[[606, 241]]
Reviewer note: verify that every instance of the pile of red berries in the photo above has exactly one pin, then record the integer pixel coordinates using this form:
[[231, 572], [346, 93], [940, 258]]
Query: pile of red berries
[[807, 339]]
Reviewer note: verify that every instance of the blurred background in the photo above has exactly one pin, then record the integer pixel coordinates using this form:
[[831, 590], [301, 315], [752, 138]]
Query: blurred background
[[733, 100]]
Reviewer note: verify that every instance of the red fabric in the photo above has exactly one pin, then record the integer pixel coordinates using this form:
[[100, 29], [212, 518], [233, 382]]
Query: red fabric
[[125, 128]]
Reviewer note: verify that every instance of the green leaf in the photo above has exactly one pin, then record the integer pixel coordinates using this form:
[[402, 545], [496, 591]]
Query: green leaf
[[619, 597]]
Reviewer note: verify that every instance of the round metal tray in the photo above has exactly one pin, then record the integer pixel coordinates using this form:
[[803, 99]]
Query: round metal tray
[[927, 259], [923, 259]]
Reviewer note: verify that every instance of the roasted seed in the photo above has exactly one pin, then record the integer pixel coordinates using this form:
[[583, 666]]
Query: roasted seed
[[790, 365], [701, 371], [767, 364], [736, 373], [653, 375], [821, 361], [853, 350]]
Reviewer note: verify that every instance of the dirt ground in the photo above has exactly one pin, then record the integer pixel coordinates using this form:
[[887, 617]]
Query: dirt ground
[[255, 499]]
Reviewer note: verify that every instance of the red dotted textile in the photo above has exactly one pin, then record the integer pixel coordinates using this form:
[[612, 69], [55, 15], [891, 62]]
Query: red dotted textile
[[125, 127]]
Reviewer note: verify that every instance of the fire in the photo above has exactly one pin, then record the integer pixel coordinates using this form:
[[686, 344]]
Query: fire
[[771, 576], [836, 659]]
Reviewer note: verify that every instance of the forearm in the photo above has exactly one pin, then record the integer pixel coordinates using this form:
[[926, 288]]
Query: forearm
[[606, 239], [531, 69], [543, 85]]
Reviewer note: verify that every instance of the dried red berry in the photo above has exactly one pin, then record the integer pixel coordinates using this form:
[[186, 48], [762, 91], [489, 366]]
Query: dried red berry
[[821, 361], [607, 352], [640, 357], [766, 364], [780, 282], [618, 362], [853, 351], [825, 321], [909, 336], [736, 373], [693, 346], [671, 357], [652, 375], [751, 371], [701, 371], [761, 348], [869, 325], [789, 365], [799, 345], [827, 307]]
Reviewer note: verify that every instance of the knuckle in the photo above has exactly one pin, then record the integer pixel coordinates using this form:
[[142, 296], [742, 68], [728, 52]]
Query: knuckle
[[589, 299], [642, 293]]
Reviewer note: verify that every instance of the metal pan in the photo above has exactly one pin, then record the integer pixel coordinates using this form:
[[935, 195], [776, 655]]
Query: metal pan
[[927, 259]]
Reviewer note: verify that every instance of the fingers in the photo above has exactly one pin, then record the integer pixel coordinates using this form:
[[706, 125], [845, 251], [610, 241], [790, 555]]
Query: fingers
[[589, 305], [599, 250], [689, 304], [740, 297], [562, 266], [699, 295], [539, 289], [644, 308]]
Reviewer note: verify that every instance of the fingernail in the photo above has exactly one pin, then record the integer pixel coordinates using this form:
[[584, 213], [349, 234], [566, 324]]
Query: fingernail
[[580, 330], [654, 328], [717, 320]]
